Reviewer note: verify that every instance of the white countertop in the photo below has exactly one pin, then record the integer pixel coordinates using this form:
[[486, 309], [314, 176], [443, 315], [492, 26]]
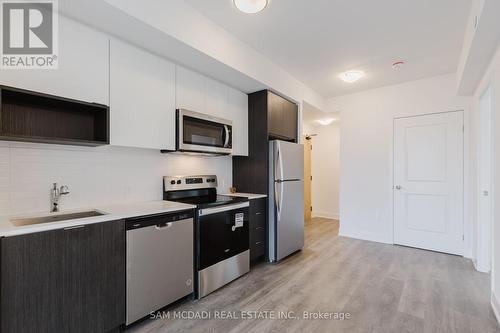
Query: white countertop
[[250, 196], [113, 213]]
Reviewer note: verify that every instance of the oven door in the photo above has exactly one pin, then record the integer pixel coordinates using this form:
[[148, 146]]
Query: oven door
[[223, 233], [197, 132]]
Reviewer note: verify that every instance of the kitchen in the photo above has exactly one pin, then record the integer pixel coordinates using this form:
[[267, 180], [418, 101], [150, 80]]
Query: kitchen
[[248, 166], [87, 166]]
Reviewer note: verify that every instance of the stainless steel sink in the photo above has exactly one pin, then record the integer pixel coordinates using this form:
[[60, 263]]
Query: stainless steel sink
[[55, 218]]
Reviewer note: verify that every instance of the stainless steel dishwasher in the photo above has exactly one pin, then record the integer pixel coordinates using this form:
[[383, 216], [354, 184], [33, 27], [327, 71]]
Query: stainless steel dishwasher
[[159, 262]]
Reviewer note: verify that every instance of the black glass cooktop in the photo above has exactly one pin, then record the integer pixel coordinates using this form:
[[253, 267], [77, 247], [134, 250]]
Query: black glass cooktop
[[203, 199], [221, 200]]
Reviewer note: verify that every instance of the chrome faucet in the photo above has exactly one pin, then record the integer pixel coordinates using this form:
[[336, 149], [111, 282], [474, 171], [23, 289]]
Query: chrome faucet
[[55, 195]]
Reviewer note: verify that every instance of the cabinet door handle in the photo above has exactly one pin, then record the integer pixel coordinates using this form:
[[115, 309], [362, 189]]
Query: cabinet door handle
[[257, 243], [258, 228], [258, 213], [75, 227]]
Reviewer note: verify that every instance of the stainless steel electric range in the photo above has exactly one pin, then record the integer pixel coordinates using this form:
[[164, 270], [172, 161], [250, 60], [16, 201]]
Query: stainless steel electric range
[[221, 230]]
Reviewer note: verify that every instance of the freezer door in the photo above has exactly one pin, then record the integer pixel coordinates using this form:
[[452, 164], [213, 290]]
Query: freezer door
[[289, 217], [288, 160]]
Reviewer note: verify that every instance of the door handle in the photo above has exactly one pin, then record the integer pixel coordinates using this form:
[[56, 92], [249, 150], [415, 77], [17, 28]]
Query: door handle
[[398, 187]]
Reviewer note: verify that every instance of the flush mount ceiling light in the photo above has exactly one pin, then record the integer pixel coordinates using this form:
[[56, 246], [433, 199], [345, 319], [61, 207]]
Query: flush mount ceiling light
[[326, 121], [250, 6], [351, 76], [398, 64]]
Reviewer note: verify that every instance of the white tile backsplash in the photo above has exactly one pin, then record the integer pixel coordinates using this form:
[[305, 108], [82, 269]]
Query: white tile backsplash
[[95, 176]]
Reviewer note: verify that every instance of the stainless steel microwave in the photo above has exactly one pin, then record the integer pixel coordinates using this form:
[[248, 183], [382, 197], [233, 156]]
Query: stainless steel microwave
[[201, 133]]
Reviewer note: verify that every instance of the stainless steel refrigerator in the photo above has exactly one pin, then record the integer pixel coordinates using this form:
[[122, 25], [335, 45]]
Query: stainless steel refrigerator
[[286, 199]]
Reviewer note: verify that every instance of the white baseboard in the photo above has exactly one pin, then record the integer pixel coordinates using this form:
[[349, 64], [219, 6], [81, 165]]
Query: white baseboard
[[480, 267], [364, 235], [495, 305], [326, 215]]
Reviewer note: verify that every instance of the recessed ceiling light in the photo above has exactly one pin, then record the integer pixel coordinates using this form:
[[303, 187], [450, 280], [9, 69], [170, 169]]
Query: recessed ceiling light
[[250, 6], [351, 76], [326, 121]]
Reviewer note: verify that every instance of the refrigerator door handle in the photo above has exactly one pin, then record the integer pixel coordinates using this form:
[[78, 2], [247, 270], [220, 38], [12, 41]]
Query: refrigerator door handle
[[277, 200], [277, 176], [280, 162], [281, 201]]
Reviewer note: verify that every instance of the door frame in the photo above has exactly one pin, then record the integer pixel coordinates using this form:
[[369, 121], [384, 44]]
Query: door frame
[[308, 190], [467, 224], [484, 242]]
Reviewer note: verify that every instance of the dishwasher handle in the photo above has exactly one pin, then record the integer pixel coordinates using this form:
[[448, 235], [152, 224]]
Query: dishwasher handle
[[163, 226], [159, 221]]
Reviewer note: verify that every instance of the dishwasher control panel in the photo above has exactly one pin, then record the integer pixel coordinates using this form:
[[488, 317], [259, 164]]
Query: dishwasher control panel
[[158, 219]]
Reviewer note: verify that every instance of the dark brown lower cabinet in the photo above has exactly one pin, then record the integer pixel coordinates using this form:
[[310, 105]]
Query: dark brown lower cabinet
[[258, 226], [67, 280]]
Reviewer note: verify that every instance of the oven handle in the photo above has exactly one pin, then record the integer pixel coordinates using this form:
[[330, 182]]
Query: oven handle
[[215, 210]]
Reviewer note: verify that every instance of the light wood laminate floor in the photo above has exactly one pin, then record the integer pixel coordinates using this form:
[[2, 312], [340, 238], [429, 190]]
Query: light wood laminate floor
[[384, 288]]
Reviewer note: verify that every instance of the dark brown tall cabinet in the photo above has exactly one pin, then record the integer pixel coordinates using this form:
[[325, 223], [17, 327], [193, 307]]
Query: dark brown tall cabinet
[[67, 280], [269, 117], [282, 118]]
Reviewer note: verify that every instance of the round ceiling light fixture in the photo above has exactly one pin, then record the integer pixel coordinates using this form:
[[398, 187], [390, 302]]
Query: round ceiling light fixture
[[250, 6], [351, 76], [326, 121]]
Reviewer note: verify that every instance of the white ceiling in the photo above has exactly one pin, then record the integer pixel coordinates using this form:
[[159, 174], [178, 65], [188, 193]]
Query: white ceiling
[[315, 40]]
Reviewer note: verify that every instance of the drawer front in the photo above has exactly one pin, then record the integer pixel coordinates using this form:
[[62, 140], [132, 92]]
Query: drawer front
[[258, 213], [257, 242], [258, 206], [257, 221], [257, 234], [257, 249]]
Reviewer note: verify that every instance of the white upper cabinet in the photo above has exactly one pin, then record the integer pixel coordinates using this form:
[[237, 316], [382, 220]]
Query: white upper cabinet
[[237, 109], [190, 90], [199, 93], [142, 93], [83, 69], [216, 99]]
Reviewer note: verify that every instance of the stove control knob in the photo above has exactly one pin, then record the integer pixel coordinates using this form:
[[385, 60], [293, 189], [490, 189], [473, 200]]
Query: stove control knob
[[172, 182], [179, 182]]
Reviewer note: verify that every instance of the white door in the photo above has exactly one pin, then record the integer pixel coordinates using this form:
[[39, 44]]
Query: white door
[[484, 185], [428, 182]]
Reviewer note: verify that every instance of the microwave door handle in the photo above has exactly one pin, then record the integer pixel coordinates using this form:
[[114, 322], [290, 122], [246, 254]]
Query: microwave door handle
[[226, 136]]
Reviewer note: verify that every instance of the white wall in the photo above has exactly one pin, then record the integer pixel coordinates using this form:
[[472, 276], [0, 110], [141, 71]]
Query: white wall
[[325, 169], [95, 176], [366, 150], [492, 78]]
